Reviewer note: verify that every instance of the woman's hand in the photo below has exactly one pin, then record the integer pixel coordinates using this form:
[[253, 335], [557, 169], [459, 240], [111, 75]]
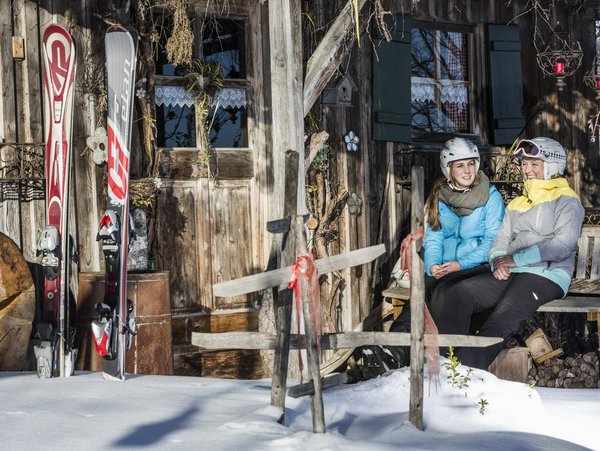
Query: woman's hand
[[502, 267], [501, 273], [506, 261], [436, 271], [451, 267], [439, 271]]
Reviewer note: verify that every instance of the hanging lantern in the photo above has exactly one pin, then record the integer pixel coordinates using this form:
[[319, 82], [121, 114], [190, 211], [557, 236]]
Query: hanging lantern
[[561, 58]]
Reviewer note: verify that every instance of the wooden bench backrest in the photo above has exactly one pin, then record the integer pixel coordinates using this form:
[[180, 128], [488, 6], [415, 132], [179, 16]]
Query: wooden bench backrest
[[588, 255]]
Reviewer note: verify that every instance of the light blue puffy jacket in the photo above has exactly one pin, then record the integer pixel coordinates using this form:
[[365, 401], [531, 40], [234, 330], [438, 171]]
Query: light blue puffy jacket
[[465, 239]]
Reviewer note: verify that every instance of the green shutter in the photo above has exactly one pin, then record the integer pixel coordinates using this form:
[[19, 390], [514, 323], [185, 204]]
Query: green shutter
[[506, 83], [391, 82]]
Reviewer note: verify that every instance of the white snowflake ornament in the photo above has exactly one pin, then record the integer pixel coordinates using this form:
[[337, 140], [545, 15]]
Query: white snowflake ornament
[[351, 140], [98, 143]]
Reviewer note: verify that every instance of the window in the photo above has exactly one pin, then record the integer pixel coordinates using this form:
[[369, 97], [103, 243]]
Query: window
[[224, 41], [440, 82], [433, 96]]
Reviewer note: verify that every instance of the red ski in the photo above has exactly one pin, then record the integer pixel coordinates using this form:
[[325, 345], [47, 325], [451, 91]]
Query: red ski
[[53, 346], [114, 328]]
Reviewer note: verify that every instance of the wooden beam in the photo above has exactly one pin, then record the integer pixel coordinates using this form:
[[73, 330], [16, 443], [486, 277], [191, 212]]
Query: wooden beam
[[280, 276], [308, 387], [294, 242], [287, 120], [327, 56], [417, 303], [572, 304], [345, 340]]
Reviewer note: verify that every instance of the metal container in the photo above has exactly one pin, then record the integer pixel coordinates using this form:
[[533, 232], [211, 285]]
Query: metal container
[[151, 350]]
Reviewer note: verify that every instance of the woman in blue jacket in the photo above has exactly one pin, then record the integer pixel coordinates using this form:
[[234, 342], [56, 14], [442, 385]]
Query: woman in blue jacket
[[463, 214]]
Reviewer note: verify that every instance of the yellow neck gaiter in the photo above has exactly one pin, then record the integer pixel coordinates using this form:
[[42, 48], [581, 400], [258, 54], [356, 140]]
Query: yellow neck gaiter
[[540, 191]]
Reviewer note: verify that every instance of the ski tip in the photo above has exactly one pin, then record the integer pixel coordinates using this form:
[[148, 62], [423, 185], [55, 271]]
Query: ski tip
[[116, 27], [57, 28]]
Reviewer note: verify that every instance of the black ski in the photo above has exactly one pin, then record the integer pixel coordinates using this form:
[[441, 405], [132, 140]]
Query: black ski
[[113, 330]]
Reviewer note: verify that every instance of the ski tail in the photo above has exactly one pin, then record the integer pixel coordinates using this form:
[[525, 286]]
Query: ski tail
[[112, 329], [53, 332]]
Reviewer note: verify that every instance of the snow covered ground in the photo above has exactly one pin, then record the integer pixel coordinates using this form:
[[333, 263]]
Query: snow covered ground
[[181, 413]]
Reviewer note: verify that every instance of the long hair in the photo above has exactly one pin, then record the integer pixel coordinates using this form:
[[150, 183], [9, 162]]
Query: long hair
[[432, 211]]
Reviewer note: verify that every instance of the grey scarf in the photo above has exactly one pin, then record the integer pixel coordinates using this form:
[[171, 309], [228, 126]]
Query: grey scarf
[[462, 203]]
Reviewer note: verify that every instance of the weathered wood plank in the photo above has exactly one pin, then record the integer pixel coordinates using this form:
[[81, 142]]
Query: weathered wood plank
[[327, 56], [344, 340], [285, 44], [308, 387], [582, 256], [280, 276], [175, 237], [230, 227], [8, 120], [417, 304], [293, 242], [572, 304], [312, 355]]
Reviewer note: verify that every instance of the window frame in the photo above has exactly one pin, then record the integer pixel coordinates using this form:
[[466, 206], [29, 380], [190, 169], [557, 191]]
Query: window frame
[[474, 83], [239, 83]]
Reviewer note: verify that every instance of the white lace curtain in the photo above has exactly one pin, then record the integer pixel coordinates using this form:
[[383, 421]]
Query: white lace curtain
[[424, 91], [179, 96]]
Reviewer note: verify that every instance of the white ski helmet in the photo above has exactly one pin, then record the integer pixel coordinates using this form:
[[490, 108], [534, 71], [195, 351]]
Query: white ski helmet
[[549, 151], [457, 149]]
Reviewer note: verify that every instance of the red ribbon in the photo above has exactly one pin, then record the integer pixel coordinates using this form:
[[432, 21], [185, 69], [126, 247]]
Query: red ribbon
[[305, 283]]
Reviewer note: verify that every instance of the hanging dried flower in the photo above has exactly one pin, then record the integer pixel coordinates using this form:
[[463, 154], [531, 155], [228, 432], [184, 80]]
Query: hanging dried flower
[[180, 43]]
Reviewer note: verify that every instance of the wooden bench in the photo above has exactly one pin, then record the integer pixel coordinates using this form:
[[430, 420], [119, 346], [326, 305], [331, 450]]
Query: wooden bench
[[584, 292], [396, 296]]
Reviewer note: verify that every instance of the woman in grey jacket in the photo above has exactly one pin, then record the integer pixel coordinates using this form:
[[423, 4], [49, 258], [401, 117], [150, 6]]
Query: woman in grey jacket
[[532, 258]]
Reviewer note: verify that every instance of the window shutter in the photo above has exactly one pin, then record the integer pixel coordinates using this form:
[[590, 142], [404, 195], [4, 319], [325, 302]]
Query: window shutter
[[391, 82], [506, 83]]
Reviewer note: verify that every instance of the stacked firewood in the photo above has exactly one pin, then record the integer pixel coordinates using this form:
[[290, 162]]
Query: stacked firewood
[[579, 371]]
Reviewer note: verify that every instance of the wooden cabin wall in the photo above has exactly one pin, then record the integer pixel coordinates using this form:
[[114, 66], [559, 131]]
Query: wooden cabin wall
[[21, 116], [209, 232], [378, 171], [212, 226], [563, 114]]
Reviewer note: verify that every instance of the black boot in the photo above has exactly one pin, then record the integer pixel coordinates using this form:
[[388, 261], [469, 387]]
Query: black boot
[[376, 360]]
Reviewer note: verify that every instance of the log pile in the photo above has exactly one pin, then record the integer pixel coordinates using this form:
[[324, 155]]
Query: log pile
[[17, 306], [579, 371]]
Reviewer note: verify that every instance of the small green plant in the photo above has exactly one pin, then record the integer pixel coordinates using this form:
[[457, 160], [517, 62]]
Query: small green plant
[[456, 379], [482, 405]]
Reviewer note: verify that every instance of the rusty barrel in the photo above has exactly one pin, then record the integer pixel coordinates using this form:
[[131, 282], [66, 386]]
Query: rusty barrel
[[151, 350]]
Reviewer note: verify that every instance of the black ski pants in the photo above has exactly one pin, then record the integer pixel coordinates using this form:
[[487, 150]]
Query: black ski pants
[[435, 295], [512, 301]]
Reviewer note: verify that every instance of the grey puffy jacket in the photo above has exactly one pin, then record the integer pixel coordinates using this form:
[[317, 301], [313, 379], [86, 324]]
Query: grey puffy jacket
[[543, 236]]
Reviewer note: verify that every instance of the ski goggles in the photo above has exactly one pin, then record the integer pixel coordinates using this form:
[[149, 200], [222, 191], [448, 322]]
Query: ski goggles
[[527, 148]]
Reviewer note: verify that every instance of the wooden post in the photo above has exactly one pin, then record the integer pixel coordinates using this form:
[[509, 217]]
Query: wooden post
[[285, 43], [294, 244], [312, 353], [417, 301], [284, 297]]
